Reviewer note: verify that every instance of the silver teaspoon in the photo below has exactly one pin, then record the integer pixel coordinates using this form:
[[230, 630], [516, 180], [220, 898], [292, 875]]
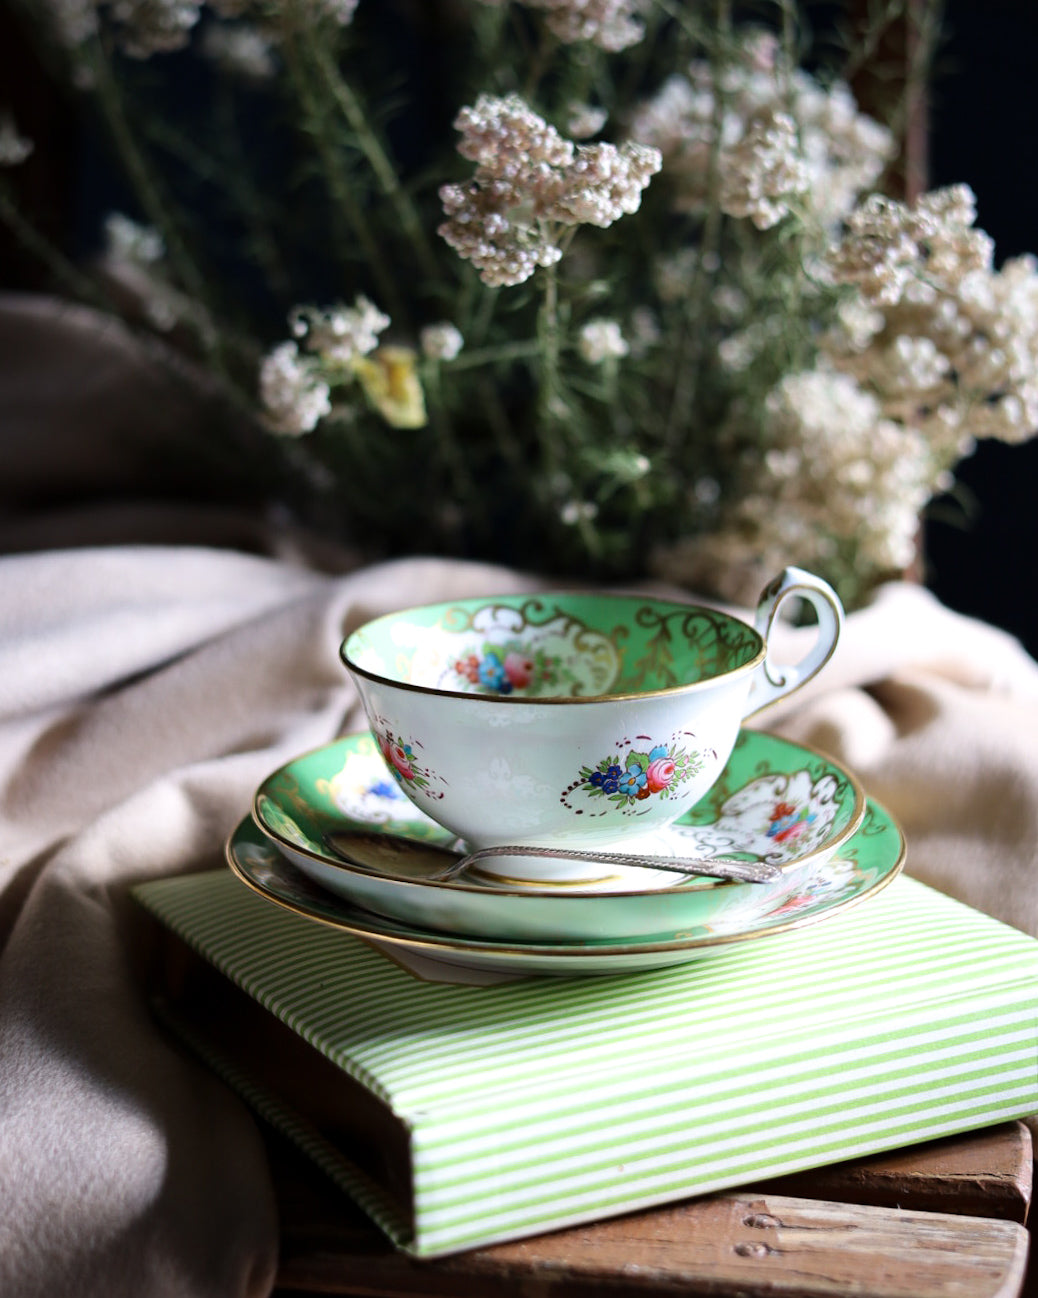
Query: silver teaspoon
[[394, 854]]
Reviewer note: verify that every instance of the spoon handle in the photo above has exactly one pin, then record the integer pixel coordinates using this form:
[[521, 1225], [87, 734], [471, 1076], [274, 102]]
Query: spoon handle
[[740, 871]]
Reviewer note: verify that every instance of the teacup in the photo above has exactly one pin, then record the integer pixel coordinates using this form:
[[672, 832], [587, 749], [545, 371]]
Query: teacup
[[573, 719]]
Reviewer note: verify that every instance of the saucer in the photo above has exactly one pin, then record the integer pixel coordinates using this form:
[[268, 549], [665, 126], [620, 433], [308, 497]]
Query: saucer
[[871, 859], [776, 802]]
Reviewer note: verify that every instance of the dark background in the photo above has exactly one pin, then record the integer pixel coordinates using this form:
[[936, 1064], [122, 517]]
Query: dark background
[[980, 550], [984, 132]]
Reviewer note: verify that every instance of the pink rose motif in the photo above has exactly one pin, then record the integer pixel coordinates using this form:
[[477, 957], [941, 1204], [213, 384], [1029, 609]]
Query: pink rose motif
[[518, 669], [788, 822], [659, 774], [398, 757]]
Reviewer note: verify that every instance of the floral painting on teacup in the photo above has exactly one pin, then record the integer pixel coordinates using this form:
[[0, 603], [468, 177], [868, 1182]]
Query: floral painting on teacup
[[626, 778], [512, 666], [777, 818], [403, 762], [802, 891], [498, 649], [369, 791]]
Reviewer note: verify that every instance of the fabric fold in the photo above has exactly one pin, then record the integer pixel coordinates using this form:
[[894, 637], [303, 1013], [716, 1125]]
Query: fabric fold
[[146, 689]]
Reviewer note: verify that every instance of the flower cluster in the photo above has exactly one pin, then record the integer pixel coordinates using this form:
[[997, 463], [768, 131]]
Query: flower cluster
[[294, 395], [530, 186], [712, 344], [763, 172], [776, 131], [953, 345], [934, 350], [601, 341], [14, 147], [657, 772], [342, 347], [340, 334], [612, 25], [836, 477], [144, 28]]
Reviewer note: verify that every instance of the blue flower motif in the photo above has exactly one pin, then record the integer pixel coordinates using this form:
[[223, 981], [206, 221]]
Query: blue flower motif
[[631, 781], [659, 751], [492, 674], [606, 780], [385, 789]]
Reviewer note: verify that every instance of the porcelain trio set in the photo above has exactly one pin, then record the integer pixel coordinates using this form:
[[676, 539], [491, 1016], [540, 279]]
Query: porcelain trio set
[[562, 783]]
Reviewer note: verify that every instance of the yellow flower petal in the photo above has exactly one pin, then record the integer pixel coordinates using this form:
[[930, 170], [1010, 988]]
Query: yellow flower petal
[[390, 382]]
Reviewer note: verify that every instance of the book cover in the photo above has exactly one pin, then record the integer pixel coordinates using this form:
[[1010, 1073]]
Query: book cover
[[457, 1116]]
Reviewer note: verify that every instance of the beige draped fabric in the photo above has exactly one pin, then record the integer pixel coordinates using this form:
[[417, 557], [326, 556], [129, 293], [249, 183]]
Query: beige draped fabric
[[156, 663]]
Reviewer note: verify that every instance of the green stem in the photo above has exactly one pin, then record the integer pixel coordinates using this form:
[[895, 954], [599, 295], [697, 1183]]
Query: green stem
[[64, 271], [157, 208], [462, 484], [340, 184], [481, 324], [549, 395], [250, 202], [499, 423], [870, 35], [691, 344], [525, 349], [384, 171]]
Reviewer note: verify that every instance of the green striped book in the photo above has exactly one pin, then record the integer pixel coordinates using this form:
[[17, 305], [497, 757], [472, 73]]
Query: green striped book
[[461, 1115]]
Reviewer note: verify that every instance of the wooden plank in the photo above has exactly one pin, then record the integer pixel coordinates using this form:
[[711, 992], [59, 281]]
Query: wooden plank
[[796, 1248], [984, 1173], [752, 1243], [771, 1246]]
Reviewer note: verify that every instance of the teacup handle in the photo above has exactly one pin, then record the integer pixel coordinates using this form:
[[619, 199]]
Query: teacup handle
[[773, 680]]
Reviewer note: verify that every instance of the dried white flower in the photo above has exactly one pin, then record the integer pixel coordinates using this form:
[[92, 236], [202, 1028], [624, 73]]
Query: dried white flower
[[486, 228], [126, 240], [839, 154], [294, 398], [14, 147], [241, 49], [134, 257], [441, 342], [612, 25], [763, 171], [148, 27], [880, 252], [73, 22], [956, 351], [530, 184], [836, 474], [738, 351], [603, 183], [339, 334], [600, 341], [341, 11], [584, 120], [578, 511]]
